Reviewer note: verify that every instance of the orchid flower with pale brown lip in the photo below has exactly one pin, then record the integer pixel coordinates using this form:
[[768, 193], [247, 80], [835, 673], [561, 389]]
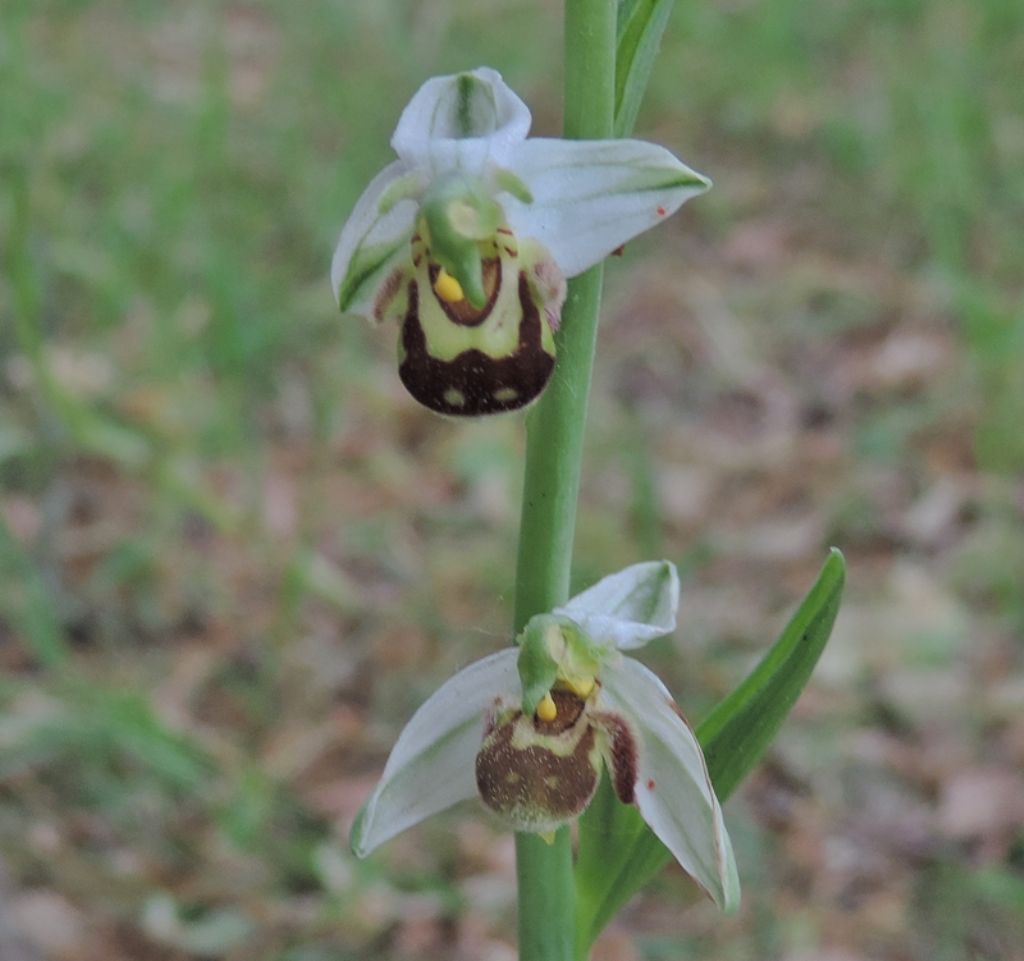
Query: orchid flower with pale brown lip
[[528, 730]]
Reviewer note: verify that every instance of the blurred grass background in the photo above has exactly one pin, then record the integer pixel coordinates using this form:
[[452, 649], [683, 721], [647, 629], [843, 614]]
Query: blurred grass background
[[234, 556]]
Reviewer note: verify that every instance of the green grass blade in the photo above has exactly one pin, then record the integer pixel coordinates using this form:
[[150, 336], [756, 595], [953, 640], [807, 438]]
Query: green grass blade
[[618, 853], [27, 601], [641, 24]]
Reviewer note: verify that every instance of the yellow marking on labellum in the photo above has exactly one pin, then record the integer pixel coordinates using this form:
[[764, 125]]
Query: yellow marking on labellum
[[583, 687], [580, 685], [448, 288], [546, 709], [503, 394], [454, 397]]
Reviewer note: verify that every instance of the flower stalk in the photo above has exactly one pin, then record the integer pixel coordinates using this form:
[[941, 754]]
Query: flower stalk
[[466, 242], [555, 429]]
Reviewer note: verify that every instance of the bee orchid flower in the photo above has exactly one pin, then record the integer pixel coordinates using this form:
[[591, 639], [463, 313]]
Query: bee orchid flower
[[466, 239], [530, 729]]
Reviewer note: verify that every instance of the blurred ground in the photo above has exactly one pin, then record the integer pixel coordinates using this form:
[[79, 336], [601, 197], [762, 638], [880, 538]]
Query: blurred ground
[[234, 556]]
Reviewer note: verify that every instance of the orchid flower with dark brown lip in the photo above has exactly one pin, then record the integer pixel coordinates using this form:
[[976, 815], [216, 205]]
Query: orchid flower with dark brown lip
[[529, 728], [467, 238]]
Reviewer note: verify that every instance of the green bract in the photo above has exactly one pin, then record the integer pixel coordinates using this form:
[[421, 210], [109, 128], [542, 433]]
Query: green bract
[[530, 728], [466, 240]]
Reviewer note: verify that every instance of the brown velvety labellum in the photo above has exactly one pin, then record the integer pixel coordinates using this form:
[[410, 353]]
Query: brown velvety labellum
[[536, 786], [474, 383]]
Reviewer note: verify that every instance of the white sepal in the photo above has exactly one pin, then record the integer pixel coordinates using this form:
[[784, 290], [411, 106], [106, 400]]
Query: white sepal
[[372, 242], [432, 765], [673, 790], [461, 122], [591, 196], [629, 608]]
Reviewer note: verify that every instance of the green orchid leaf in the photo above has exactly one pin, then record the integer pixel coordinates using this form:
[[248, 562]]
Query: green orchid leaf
[[618, 854], [608, 831], [641, 24], [740, 728]]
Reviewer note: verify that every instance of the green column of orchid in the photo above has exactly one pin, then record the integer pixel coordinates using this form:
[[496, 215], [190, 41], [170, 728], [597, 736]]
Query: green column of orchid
[[555, 430]]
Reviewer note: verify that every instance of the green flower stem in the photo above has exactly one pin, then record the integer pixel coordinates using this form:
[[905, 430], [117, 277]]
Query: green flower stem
[[554, 447], [555, 426]]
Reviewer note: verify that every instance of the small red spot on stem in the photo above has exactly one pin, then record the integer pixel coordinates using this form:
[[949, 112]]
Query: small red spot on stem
[[650, 784], [618, 251], [661, 211]]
